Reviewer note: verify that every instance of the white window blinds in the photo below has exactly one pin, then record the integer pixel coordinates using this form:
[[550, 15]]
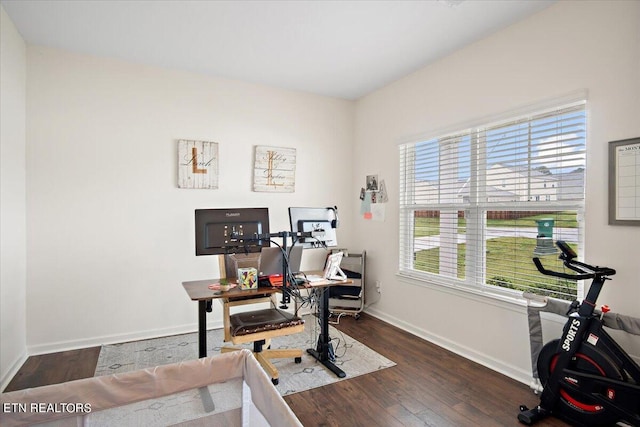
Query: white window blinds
[[478, 204]]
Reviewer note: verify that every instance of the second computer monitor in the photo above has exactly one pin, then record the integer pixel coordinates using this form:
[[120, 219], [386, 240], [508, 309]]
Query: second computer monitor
[[320, 222]]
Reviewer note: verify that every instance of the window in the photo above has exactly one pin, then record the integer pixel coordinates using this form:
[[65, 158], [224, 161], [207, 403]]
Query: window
[[477, 205]]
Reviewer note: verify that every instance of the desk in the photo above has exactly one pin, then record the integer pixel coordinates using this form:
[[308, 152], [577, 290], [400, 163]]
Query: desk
[[198, 290]]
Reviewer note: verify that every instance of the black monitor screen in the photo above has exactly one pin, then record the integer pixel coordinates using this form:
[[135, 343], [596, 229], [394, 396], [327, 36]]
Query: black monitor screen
[[225, 231]]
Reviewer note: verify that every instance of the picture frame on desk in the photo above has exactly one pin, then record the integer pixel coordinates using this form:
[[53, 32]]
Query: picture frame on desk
[[332, 269]]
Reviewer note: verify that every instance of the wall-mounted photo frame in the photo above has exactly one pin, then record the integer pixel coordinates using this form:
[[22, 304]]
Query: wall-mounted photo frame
[[624, 182], [197, 164], [274, 169]]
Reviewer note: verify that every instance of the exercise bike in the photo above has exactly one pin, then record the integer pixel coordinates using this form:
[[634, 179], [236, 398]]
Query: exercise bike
[[588, 379]]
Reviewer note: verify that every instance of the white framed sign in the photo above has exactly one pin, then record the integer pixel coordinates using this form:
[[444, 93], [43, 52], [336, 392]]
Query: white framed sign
[[197, 164], [274, 169], [624, 182]]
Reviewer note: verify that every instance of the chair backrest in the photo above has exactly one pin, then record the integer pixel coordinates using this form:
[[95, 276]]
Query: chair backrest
[[230, 263]]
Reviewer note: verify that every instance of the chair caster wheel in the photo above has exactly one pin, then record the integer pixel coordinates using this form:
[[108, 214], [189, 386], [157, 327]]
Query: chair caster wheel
[[275, 381], [298, 359]]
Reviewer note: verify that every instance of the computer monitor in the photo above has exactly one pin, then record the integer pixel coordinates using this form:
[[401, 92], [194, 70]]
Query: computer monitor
[[225, 231], [320, 222]]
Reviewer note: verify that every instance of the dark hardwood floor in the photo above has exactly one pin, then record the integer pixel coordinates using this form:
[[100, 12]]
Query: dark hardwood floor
[[429, 386], [55, 368]]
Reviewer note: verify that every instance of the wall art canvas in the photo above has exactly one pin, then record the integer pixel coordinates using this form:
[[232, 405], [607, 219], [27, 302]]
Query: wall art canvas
[[274, 169], [197, 164]]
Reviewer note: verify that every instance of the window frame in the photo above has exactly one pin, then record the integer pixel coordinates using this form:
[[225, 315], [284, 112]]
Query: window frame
[[476, 210]]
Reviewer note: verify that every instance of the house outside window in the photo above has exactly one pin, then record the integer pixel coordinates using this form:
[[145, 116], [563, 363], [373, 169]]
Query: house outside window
[[478, 204]]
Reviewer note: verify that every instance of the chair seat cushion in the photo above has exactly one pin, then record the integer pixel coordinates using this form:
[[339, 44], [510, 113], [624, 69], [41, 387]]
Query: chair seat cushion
[[269, 319]]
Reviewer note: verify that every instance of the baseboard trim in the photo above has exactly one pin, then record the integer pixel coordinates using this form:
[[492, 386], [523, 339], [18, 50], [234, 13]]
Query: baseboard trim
[[510, 371], [13, 370], [115, 339]]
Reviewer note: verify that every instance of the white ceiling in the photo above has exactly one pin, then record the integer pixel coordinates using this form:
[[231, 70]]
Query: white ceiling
[[344, 49]]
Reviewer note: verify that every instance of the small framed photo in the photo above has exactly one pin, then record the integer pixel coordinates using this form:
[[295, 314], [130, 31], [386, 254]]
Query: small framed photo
[[372, 183]]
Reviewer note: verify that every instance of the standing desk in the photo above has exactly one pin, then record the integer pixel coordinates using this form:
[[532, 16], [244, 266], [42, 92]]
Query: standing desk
[[198, 290], [321, 352]]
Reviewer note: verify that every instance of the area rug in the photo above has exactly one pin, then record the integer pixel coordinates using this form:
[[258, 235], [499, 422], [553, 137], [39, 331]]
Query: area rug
[[351, 356]]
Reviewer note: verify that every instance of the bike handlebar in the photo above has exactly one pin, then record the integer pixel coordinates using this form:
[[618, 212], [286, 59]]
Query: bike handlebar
[[585, 271]]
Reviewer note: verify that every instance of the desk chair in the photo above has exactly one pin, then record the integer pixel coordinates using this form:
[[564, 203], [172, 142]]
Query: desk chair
[[259, 327]]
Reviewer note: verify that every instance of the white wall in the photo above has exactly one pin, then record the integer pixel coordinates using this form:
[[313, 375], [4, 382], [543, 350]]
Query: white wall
[[110, 235], [13, 348], [570, 46]]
